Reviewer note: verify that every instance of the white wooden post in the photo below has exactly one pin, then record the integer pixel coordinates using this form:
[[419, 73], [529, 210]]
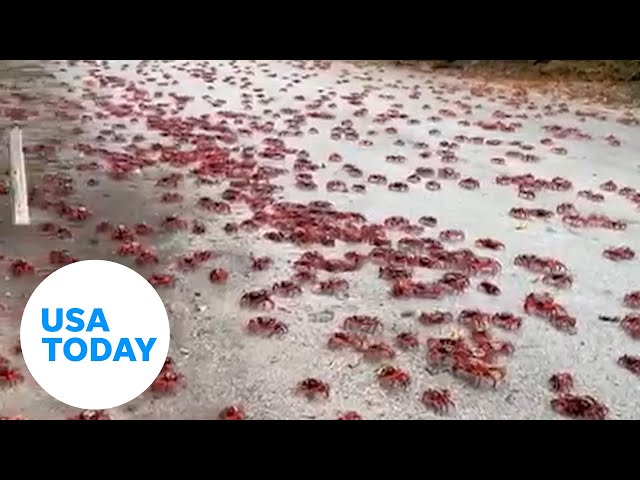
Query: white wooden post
[[19, 194]]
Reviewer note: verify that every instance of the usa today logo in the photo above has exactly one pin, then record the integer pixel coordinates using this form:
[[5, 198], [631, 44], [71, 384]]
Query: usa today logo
[[94, 334]]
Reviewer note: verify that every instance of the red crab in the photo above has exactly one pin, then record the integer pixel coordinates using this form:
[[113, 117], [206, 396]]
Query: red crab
[[438, 400], [266, 327], [398, 187], [617, 254], [340, 340], [336, 186], [393, 272], [579, 406], [232, 413], [489, 243], [129, 248], [211, 205], [393, 377], [171, 197], [198, 228], [91, 415], [362, 323], [61, 257], [146, 257], [631, 325], [631, 363], [489, 288], [451, 235], [558, 280], [407, 341], [313, 388], [261, 263], [469, 183], [161, 279], [377, 179], [377, 352], [506, 321], [351, 415], [331, 287], [436, 317], [286, 288], [174, 223], [428, 221], [21, 267], [10, 376], [168, 380], [121, 233], [474, 319], [433, 185], [632, 300], [218, 275], [561, 382], [478, 370], [143, 229], [257, 299]]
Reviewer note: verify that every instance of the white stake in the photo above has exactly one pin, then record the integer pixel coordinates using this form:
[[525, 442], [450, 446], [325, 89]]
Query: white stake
[[19, 194]]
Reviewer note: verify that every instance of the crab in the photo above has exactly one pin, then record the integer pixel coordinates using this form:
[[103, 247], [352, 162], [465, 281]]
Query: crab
[[506, 321], [218, 275], [392, 377], [21, 267], [488, 288], [477, 369], [436, 317], [129, 248], [261, 263], [10, 376], [286, 288], [173, 223], [428, 221], [632, 300], [561, 382], [489, 243], [198, 228], [266, 326], [398, 187], [336, 186], [433, 185], [161, 279], [392, 272], [377, 352], [362, 323], [579, 406], [631, 325], [232, 413], [438, 400], [474, 319], [257, 299], [631, 363], [340, 340], [351, 415], [61, 257], [313, 388], [91, 415], [171, 197], [617, 254], [469, 183], [407, 341], [331, 287], [558, 280], [168, 380], [542, 305], [147, 257], [451, 235], [121, 233], [210, 205]]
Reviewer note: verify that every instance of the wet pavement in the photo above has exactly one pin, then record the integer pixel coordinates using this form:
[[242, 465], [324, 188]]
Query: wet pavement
[[265, 132]]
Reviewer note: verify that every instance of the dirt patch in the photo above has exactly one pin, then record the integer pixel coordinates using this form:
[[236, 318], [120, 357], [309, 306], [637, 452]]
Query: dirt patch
[[602, 81]]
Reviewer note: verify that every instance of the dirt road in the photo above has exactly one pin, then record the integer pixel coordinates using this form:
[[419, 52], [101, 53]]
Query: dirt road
[[263, 133]]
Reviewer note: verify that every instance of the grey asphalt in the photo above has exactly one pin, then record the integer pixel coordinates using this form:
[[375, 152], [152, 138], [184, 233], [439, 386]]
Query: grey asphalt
[[222, 365]]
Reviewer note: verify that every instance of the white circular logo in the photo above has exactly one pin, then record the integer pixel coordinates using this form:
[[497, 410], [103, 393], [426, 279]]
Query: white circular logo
[[94, 334]]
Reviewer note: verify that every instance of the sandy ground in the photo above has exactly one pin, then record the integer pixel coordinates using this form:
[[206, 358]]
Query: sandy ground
[[223, 365]]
